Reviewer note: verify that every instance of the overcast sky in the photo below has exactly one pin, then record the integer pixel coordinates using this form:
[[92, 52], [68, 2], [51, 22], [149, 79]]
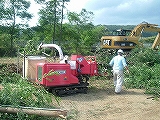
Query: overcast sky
[[118, 12]]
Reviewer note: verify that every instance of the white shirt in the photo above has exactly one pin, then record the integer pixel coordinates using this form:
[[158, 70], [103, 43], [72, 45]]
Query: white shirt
[[118, 62]]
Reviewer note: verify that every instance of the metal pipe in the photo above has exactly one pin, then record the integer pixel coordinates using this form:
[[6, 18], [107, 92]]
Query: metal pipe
[[52, 46]]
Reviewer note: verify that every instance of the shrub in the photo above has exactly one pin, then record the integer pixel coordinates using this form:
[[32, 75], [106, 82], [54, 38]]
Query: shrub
[[144, 65], [19, 92], [144, 55]]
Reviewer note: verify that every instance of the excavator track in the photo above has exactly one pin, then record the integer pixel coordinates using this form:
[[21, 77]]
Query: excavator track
[[68, 90]]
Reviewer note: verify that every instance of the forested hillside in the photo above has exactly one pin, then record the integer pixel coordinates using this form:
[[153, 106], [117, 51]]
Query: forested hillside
[[72, 36], [75, 36]]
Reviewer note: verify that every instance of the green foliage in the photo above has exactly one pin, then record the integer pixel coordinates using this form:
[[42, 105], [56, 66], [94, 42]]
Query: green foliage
[[6, 76], [12, 11], [103, 57], [47, 13], [144, 55], [30, 48], [139, 76], [5, 45], [148, 39], [80, 34], [24, 94], [81, 18], [19, 92], [144, 65], [50, 20]]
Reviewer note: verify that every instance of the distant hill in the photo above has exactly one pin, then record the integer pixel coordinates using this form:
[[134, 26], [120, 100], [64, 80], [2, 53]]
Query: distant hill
[[111, 28]]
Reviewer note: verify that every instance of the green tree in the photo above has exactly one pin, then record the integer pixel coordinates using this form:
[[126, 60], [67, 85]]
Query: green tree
[[50, 16], [83, 18], [87, 34], [11, 12], [80, 22]]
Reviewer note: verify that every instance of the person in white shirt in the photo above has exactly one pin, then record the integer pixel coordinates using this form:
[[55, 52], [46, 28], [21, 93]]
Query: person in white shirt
[[118, 63]]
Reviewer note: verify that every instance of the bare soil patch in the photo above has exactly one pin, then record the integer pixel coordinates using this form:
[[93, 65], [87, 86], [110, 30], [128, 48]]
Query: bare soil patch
[[101, 103]]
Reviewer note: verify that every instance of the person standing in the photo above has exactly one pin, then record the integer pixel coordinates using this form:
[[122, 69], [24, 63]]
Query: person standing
[[118, 63]]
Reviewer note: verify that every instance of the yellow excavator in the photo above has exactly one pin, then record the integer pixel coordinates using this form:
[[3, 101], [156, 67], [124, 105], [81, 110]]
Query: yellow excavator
[[128, 39]]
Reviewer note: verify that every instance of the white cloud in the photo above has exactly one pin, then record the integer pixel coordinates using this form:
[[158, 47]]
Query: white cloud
[[34, 9], [125, 11], [116, 12], [76, 5]]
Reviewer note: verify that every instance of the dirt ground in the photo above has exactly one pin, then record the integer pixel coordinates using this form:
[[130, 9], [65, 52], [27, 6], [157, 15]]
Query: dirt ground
[[101, 103]]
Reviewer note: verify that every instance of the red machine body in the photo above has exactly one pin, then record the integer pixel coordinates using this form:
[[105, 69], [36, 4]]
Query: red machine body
[[68, 76], [85, 65], [74, 74], [58, 74], [51, 75]]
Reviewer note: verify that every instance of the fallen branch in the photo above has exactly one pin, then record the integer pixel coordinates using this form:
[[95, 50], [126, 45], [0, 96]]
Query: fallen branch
[[35, 111]]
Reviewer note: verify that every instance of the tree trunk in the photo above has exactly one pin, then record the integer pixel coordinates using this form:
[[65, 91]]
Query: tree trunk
[[36, 111]]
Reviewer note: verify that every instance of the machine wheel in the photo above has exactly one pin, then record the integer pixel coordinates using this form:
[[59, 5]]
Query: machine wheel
[[54, 92], [85, 90], [83, 78]]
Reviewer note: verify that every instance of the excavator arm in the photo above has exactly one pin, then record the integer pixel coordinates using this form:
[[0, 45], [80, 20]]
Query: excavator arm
[[156, 42], [137, 31], [144, 26]]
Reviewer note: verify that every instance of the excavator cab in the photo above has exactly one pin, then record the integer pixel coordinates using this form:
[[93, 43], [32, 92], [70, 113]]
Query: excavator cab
[[121, 32], [119, 39]]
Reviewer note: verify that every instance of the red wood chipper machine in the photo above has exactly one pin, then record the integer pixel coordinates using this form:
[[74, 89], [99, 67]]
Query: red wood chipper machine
[[69, 75]]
